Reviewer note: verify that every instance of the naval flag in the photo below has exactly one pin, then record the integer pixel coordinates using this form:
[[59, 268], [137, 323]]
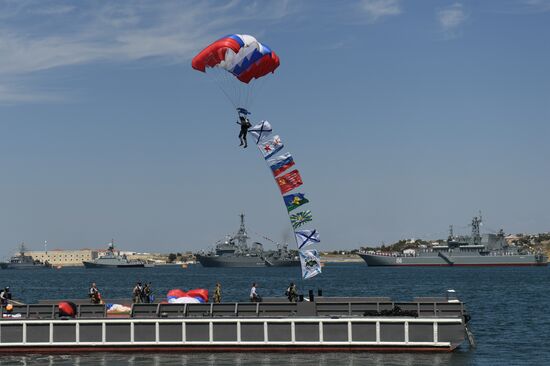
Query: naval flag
[[289, 181], [306, 237], [270, 146], [300, 218], [311, 263], [280, 163], [260, 131], [294, 200]]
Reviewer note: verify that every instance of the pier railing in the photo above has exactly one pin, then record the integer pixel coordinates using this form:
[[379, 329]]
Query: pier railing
[[327, 307]]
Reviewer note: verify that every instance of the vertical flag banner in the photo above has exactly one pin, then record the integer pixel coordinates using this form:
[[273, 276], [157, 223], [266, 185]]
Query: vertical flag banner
[[294, 200], [289, 181], [260, 131], [311, 263], [270, 146], [305, 238], [280, 163]]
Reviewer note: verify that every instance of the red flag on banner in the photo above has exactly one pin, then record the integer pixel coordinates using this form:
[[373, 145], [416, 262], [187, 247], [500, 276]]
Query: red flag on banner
[[289, 181]]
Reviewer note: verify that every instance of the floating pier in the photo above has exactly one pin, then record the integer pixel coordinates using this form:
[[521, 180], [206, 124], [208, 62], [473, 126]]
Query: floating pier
[[326, 324]]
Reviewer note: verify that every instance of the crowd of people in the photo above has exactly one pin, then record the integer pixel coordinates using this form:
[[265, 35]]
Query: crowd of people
[[143, 293]]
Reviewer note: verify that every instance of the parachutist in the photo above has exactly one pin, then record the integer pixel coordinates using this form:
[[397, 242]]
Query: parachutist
[[245, 125]]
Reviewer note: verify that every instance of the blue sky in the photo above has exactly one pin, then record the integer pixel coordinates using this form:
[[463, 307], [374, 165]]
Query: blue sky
[[403, 117]]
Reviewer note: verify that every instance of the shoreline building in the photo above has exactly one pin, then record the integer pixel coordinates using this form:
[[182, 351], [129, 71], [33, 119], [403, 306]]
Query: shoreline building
[[64, 257]]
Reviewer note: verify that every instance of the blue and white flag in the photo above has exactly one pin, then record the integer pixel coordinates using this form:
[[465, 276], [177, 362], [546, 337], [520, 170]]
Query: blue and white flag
[[260, 131], [243, 111], [270, 146], [306, 237], [311, 263]]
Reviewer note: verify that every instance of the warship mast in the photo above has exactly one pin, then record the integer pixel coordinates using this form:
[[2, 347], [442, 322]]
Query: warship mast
[[476, 236], [241, 237]]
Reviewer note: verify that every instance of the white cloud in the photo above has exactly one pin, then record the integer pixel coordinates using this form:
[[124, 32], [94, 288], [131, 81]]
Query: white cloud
[[538, 5], [376, 9], [38, 35], [451, 18]]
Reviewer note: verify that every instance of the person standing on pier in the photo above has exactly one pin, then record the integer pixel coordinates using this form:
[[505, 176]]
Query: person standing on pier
[[292, 293], [95, 296], [218, 294], [254, 297], [5, 295], [147, 293], [136, 293]]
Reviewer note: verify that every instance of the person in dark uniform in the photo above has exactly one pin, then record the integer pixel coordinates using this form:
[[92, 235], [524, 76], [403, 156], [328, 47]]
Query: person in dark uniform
[[245, 125], [218, 293], [5, 295], [95, 296], [147, 293], [137, 295], [292, 293]]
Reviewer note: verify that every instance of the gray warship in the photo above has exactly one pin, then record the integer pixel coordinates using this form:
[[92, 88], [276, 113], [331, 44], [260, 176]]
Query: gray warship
[[111, 259], [476, 250], [234, 251], [22, 261]]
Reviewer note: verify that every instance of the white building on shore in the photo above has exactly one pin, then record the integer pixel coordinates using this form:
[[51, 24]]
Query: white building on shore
[[63, 257]]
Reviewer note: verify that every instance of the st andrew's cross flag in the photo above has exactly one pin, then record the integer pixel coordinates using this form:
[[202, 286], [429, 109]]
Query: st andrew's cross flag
[[289, 181], [270, 146], [306, 237], [294, 200], [260, 131], [280, 163], [300, 218], [311, 263]]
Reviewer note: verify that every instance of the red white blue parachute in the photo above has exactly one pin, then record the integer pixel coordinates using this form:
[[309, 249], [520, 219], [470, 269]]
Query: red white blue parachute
[[237, 61]]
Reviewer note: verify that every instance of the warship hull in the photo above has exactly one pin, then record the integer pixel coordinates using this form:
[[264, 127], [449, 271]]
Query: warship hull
[[107, 265], [230, 261], [24, 266], [375, 260], [282, 262]]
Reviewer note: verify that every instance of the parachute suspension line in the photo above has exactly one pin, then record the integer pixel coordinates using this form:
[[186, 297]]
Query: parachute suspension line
[[220, 79], [257, 88]]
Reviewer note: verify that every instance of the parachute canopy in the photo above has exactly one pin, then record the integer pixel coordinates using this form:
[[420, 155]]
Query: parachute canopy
[[239, 54], [239, 64]]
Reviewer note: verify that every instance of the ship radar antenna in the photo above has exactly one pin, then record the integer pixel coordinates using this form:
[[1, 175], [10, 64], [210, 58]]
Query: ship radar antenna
[[476, 236], [451, 234], [242, 236]]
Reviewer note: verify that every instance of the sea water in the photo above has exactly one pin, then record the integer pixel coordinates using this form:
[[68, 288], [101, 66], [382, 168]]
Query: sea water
[[510, 308]]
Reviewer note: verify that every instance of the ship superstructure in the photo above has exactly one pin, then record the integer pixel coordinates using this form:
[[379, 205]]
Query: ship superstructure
[[234, 251], [475, 250]]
